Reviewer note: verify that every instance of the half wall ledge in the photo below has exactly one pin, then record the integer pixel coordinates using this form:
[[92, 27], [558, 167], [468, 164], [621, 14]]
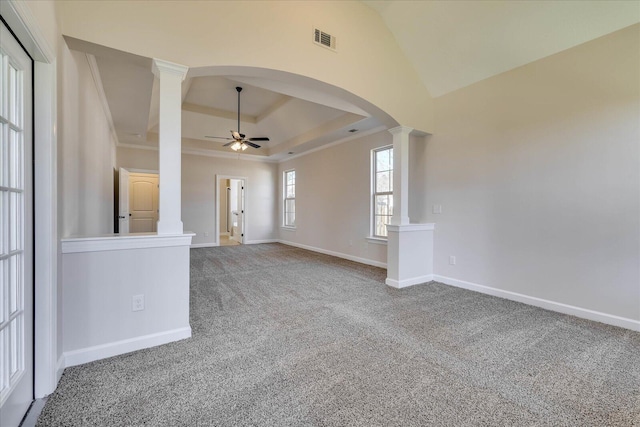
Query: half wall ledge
[[117, 242]]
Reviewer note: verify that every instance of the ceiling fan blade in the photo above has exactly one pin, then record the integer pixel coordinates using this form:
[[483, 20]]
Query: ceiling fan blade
[[217, 137], [229, 143], [251, 144], [259, 139]]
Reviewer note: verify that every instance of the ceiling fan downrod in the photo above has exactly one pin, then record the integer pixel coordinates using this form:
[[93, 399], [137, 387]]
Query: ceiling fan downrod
[[239, 89]]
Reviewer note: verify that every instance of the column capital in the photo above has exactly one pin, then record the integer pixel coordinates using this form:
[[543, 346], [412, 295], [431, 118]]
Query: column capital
[[161, 66], [399, 130]]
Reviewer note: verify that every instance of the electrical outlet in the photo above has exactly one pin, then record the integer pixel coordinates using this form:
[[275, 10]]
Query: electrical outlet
[[437, 209], [137, 303], [452, 260]]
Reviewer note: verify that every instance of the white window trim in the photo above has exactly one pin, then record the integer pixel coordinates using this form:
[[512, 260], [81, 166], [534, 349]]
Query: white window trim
[[374, 238], [284, 200]]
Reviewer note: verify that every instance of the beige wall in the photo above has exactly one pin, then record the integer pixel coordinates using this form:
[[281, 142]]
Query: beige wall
[[537, 171], [277, 35], [199, 191], [333, 197], [86, 151]]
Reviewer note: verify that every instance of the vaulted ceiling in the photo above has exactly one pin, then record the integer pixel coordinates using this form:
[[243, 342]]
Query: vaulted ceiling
[[451, 44]]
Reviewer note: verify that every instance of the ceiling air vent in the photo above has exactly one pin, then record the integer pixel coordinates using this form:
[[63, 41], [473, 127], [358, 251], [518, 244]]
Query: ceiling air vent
[[324, 39]]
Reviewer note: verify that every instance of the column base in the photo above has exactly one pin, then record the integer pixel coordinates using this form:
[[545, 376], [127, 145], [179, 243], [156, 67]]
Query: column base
[[409, 254]]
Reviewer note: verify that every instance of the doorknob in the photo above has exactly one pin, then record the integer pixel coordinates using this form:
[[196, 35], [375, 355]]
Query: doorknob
[[120, 217]]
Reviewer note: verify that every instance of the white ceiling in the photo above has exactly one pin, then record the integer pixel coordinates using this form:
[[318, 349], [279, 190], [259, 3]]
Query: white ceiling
[[451, 44]]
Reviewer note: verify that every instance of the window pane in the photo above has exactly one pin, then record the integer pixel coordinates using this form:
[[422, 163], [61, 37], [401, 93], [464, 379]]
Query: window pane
[[290, 219], [4, 355], [4, 291], [15, 277], [291, 177], [14, 345], [15, 221], [289, 196], [291, 191], [13, 94], [15, 159], [4, 222], [3, 79], [383, 190], [289, 212], [4, 156], [383, 182], [381, 222], [382, 205], [382, 160], [290, 205]]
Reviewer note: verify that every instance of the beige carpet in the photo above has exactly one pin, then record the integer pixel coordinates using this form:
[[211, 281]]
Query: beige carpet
[[287, 337]]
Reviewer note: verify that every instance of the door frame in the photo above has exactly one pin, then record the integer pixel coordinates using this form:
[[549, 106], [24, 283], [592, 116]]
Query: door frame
[[48, 360], [245, 184]]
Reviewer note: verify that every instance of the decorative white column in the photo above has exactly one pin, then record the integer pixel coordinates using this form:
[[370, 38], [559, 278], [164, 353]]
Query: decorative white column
[[409, 246], [171, 76], [400, 175]]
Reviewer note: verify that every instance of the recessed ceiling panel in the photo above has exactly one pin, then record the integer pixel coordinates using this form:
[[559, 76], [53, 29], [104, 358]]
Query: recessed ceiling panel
[[220, 93]]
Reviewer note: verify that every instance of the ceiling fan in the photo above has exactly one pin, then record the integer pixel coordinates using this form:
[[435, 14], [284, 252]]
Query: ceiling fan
[[239, 141]]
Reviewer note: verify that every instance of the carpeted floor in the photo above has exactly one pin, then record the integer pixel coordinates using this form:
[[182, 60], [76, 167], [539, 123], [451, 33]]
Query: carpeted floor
[[287, 337]]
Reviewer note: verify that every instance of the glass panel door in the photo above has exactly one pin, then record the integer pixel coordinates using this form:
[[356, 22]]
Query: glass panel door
[[16, 232]]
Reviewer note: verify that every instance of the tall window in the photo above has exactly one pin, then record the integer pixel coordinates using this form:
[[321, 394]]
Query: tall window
[[382, 183], [290, 198]]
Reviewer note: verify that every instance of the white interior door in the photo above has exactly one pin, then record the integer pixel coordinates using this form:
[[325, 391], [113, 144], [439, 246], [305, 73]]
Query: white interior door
[[16, 231], [143, 202], [123, 202]]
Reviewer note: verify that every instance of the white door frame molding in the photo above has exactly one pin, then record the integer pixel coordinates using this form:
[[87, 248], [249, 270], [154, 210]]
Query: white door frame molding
[[245, 181], [48, 367]]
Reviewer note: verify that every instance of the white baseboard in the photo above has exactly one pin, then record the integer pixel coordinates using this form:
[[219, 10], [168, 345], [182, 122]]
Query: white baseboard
[[203, 245], [584, 313], [59, 369], [85, 355], [336, 254], [248, 242], [399, 284]]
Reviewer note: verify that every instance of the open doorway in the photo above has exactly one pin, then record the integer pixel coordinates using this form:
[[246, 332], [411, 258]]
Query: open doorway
[[231, 210]]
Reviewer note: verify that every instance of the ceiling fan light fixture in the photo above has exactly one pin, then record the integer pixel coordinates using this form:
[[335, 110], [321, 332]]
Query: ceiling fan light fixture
[[239, 141]]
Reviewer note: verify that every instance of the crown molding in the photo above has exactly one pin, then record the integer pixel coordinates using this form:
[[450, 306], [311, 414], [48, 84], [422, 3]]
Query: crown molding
[[400, 130], [161, 66]]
